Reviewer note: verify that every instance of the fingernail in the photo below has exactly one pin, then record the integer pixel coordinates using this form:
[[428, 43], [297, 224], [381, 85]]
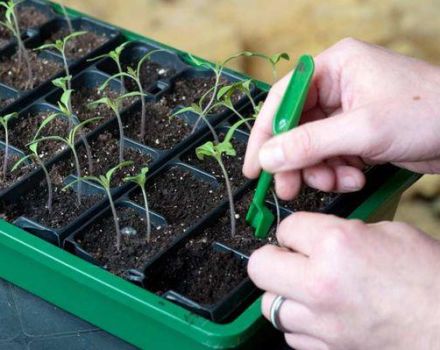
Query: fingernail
[[271, 156], [350, 183]]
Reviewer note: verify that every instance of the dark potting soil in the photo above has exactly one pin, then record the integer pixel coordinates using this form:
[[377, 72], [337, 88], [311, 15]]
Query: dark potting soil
[[233, 165], [65, 208], [82, 97], [186, 91], [12, 177], [23, 130], [309, 199], [180, 197], [199, 273], [150, 73], [81, 45], [29, 16], [244, 239], [161, 130], [5, 37], [14, 74], [99, 240], [105, 153]]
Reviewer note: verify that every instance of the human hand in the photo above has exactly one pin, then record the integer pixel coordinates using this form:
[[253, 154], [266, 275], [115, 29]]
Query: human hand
[[350, 285], [365, 105]]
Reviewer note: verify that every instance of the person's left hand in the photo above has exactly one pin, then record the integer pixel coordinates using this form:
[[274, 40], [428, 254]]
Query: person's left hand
[[351, 285]]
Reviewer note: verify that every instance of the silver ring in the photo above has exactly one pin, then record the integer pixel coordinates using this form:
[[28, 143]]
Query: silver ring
[[275, 312]]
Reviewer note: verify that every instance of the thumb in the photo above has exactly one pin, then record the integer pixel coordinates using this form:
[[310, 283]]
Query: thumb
[[350, 133]]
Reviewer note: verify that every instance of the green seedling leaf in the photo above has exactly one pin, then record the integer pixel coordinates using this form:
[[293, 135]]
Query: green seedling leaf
[[19, 162], [206, 150], [225, 147], [43, 124], [233, 128], [139, 179], [110, 173], [194, 108], [7, 118], [62, 82], [73, 35], [197, 62], [274, 59], [146, 57]]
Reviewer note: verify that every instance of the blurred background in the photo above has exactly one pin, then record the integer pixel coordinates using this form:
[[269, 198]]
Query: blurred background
[[215, 29]]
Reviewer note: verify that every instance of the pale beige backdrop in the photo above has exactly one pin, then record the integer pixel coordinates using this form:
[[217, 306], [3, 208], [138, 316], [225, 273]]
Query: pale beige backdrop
[[215, 29]]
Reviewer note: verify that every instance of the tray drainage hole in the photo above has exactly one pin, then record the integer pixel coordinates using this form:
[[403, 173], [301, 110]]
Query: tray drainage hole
[[128, 231]]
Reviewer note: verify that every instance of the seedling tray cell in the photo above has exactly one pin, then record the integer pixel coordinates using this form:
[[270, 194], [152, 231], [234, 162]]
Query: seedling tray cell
[[69, 265]]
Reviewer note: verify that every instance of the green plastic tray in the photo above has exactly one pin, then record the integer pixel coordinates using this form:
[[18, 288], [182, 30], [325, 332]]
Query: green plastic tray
[[134, 314]]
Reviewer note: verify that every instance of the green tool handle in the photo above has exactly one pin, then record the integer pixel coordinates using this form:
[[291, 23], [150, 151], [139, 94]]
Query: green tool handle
[[289, 111], [264, 183]]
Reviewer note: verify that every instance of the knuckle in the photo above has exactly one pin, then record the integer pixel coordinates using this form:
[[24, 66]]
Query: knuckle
[[336, 239], [323, 289], [350, 43]]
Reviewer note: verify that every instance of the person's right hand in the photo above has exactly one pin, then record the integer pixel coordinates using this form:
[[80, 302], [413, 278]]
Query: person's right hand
[[366, 105]]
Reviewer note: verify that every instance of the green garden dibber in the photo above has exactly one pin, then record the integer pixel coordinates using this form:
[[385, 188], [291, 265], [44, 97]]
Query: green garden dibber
[[286, 118]]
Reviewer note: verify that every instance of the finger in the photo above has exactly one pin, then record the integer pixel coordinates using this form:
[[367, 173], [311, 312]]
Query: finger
[[288, 184], [348, 178], [354, 161], [305, 342], [311, 143], [320, 177], [303, 231], [294, 317], [262, 129], [279, 271]]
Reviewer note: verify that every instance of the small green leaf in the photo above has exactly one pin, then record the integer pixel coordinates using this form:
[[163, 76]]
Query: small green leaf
[[206, 150], [65, 99], [102, 101], [43, 124], [73, 35], [226, 147], [62, 82], [46, 47], [109, 174], [19, 162], [274, 59], [139, 179], [233, 128]]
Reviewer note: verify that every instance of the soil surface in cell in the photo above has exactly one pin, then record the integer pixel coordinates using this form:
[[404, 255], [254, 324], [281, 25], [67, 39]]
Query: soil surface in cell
[[23, 130], [99, 240], [233, 164], [13, 176], [81, 45], [151, 72], [84, 96], [5, 37], [199, 273], [28, 17], [188, 90], [14, 74], [244, 239], [180, 197], [105, 155], [309, 199], [162, 131], [33, 204]]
